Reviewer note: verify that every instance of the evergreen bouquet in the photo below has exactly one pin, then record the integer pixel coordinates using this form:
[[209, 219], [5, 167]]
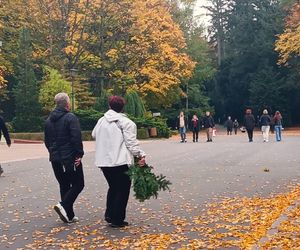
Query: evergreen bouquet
[[145, 183]]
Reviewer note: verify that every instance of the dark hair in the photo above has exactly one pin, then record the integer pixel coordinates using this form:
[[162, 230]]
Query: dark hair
[[116, 103]]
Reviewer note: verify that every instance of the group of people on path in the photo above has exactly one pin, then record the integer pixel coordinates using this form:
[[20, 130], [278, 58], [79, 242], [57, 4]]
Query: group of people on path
[[249, 124], [265, 122], [207, 123]]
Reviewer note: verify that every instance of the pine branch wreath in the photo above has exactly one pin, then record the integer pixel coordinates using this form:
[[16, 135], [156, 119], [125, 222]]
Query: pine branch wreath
[[145, 183]]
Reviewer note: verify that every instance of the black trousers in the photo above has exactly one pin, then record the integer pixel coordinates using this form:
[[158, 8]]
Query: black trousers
[[195, 134], [118, 193], [250, 134], [71, 183]]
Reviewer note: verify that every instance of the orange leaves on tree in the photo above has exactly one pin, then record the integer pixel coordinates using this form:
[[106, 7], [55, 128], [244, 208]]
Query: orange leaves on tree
[[288, 43]]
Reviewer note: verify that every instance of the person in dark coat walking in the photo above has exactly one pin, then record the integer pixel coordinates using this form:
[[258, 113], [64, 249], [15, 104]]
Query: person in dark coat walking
[[235, 126], [229, 125], [64, 143], [208, 123], [4, 130], [249, 123], [195, 128]]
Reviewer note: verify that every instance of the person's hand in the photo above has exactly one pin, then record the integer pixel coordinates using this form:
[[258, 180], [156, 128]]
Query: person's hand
[[77, 162], [142, 161]]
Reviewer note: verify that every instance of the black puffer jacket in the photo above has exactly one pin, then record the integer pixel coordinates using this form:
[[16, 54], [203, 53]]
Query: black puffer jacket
[[208, 122], [3, 128], [249, 121], [63, 135]]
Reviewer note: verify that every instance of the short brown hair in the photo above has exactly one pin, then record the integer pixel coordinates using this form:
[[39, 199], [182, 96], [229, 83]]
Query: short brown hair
[[116, 103]]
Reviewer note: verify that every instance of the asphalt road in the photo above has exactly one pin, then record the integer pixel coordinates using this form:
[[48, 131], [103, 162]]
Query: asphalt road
[[200, 172]]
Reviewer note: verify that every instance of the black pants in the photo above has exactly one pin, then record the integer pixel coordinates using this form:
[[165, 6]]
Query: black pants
[[195, 134], [71, 183], [118, 193], [235, 130], [250, 134], [229, 131]]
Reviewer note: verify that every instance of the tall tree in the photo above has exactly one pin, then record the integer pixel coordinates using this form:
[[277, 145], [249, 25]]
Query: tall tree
[[251, 33], [26, 91]]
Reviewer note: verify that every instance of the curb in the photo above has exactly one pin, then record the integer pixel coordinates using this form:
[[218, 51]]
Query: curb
[[21, 141]]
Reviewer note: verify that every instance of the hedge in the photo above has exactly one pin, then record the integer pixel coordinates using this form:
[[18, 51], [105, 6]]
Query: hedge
[[89, 118], [86, 135]]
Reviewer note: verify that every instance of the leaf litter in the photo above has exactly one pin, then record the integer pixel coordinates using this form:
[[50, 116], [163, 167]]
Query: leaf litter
[[238, 222]]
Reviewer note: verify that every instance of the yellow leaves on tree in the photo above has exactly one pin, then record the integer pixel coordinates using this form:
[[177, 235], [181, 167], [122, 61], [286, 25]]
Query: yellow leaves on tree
[[157, 50], [288, 44]]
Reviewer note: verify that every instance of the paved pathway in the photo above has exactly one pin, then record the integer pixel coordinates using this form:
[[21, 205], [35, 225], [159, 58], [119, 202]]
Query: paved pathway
[[201, 173]]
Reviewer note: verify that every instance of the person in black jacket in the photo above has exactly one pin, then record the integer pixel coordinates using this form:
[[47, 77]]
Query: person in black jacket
[[64, 143], [229, 125], [208, 123], [4, 130], [249, 124]]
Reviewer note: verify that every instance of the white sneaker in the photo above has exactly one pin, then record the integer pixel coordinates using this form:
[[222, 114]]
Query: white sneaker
[[61, 212], [74, 220]]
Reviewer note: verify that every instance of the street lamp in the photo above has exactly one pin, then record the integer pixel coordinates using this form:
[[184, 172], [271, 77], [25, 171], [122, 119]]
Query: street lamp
[[72, 73]]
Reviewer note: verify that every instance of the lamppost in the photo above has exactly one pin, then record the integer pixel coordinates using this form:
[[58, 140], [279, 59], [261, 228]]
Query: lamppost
[[72, 73]]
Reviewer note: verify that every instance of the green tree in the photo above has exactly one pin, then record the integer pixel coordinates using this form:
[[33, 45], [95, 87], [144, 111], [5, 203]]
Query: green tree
[[53, 84], [134, 105], [28, 110], [250, 35]]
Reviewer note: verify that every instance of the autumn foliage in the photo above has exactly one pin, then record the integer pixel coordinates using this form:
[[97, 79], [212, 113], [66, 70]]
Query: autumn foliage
[[119, 45], [288, 43]]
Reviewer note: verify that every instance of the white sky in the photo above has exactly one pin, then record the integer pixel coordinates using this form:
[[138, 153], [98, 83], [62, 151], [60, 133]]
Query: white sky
[[199, 10]]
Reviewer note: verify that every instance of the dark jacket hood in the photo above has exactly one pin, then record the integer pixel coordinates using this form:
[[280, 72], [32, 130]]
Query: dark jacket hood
[[57, 113]]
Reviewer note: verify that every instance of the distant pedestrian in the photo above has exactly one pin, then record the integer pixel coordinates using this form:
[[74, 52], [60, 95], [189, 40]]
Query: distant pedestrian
[[229, 125], [208, 123], [195, 128], [235, 126], [64, 143], [116, 147], [4, 130], [265, 121], [182, 126], [249, 124], [278, 125]]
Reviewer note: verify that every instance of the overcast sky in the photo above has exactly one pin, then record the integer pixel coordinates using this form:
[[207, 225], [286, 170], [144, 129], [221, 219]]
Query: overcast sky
[[199, 10]]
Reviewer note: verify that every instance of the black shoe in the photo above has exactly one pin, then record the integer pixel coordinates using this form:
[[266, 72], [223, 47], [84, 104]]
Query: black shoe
[[208, 141], [117, 225], [108, 219], [1, 170], [193, 140]]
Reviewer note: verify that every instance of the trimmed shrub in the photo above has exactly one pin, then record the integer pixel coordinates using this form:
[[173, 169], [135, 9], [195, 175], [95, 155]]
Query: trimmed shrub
[[87, 135], [142, 133], [88, 118], [134, 105]]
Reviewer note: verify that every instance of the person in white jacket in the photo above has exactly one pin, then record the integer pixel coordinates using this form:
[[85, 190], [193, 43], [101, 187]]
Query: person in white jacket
[[116, 147]]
